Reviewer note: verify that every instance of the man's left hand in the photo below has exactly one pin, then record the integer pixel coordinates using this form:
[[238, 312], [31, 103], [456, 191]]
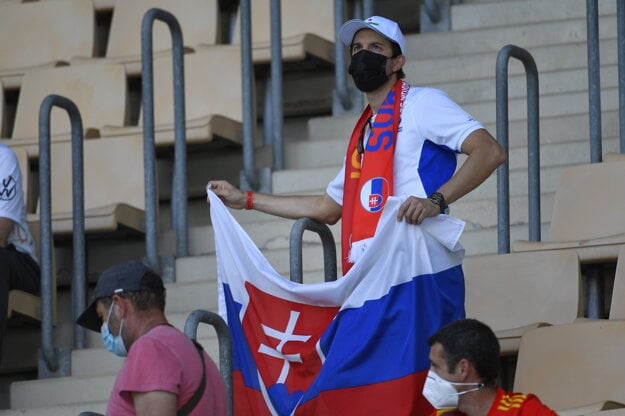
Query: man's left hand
[[414, 210]]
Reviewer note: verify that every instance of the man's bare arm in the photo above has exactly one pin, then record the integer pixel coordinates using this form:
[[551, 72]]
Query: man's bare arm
[[155, 403], [321, 208]]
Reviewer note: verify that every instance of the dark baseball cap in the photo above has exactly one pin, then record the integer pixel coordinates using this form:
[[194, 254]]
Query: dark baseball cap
[[132, 276]]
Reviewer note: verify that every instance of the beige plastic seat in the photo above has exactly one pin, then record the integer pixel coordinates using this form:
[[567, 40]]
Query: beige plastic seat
[[583, 219], [617, 306], [515, 292], [98, 90], [213, 98], [307, 29], [573, 365], [46, 33], [114, 186], [198, 19]]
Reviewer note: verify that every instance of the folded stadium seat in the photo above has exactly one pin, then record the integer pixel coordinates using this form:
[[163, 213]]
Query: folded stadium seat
[[307, 29], [617, 305], [213, 97], [98, 90], [579, 220], [47, 33], [515, 292], [578, 365], [114, 186], [198, 20]]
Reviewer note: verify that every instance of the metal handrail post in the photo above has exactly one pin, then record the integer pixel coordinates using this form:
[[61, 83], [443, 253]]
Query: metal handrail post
[[179, 192], [620, 28], [594, 79], [533, 146], [79, 284], [249, 121], [295, 247], [433, 10], [225, 345], [340, 68], [277, 111]]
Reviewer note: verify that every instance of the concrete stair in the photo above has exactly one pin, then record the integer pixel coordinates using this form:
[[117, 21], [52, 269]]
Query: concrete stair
[[462, 63]]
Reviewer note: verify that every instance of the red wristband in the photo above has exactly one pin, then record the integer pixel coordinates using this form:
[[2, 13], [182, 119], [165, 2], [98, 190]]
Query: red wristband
[[249, 200]]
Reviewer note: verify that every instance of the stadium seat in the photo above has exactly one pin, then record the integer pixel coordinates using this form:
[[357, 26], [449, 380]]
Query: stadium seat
[[98, 90], [114, 186], [307, 29], [518, 291], [47, 33], [617, 306], [573, 365], [198, 20], [213, 98], [580, 221]]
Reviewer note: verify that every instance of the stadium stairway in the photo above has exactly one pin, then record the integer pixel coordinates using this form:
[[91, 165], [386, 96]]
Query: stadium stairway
[[461, 62]]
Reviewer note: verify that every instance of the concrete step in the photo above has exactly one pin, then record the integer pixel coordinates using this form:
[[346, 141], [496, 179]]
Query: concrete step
[[483, 65], [61, 391], [512, 13], [550, 83], [526, 35], [98, 361]]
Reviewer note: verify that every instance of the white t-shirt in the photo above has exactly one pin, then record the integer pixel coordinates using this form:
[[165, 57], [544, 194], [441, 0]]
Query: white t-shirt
[[12, 202], [431, 132]]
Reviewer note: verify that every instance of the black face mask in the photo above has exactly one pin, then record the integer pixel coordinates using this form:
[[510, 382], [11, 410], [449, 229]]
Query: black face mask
[[368, 69]]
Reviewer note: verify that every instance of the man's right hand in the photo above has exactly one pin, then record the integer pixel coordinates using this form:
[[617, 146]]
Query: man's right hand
[[231, 196]]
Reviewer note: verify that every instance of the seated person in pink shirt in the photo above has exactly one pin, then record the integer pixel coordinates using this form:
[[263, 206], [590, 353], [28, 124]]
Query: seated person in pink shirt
[[165, 372]]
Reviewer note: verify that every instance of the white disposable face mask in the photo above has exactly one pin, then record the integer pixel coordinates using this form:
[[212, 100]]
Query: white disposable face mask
[[442, 394]]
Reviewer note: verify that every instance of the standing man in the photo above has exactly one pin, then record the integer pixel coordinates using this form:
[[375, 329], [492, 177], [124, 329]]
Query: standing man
[[18, 263], [464, 359], [165, 374], [405, 143]]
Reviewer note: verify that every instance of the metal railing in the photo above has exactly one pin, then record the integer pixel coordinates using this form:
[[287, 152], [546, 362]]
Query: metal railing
[[179, 187], [225, 345], [55, 360], [533, 145], [594, 79], [620, 29], [296, 250]]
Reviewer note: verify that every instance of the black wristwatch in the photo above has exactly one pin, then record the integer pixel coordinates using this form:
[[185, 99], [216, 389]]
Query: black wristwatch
[[438, 199]]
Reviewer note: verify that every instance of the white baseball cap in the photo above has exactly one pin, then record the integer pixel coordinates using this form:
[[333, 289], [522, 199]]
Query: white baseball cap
[[385, 27]]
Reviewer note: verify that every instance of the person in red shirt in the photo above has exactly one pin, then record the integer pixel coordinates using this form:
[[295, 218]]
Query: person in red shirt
[[462, 380]]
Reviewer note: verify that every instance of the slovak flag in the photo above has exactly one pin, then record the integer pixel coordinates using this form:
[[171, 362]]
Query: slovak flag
[[355, 346]]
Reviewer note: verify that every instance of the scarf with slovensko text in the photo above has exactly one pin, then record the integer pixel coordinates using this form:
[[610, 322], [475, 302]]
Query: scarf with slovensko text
[[369, 180]]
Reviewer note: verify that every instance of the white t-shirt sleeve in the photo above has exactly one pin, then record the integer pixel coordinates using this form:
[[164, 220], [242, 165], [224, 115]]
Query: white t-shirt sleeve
[[11, 195], [440, 120]]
